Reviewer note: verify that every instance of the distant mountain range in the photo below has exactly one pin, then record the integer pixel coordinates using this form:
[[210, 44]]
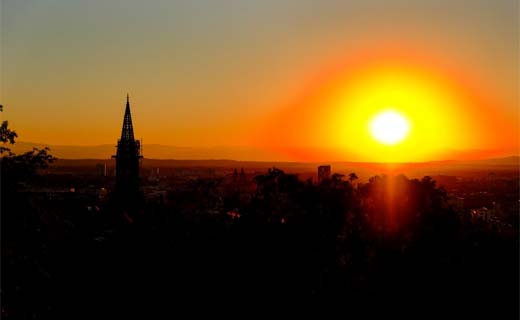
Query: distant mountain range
[[154, 151], [247, 154]]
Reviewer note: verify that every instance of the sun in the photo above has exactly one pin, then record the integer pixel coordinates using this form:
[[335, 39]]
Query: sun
[[381, 111], [389, 127]]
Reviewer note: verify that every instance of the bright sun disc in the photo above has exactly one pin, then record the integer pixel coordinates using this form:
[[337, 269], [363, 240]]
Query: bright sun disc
[[389, 127]]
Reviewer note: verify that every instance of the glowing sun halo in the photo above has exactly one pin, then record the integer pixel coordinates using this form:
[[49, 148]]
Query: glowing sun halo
[[389, 127]]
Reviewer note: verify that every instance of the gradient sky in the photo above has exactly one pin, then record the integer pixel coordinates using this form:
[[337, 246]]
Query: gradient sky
[[211, 73]]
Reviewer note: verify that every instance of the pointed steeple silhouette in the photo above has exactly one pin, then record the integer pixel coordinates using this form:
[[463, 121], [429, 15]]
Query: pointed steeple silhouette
[[127, 134], [127, 160]]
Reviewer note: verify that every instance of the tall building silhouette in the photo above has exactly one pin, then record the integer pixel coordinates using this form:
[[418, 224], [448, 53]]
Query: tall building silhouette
[[323, 173], [127, 159]]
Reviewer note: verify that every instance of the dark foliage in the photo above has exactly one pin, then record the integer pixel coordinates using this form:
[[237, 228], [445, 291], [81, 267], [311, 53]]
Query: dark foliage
[[391, 246]]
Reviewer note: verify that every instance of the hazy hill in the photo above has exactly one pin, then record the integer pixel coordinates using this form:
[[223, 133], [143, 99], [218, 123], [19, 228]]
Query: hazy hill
[[251, 154], [154, 151]]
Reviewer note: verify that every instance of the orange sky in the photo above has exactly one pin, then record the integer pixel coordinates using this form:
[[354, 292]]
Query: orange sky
[[295, 79], [451, 115]]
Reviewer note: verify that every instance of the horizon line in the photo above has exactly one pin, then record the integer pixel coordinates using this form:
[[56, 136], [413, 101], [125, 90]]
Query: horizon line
[[301, 162]]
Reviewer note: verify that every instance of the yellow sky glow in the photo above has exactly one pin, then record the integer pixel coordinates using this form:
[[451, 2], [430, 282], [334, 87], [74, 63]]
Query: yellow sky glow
[[433, 114]]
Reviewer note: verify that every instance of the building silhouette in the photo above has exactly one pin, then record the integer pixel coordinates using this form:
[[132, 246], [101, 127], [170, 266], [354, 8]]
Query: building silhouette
[[323, 173], [127, 160]]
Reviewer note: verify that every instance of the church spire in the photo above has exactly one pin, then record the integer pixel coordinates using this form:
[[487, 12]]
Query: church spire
[[127, 160], [127, 133]]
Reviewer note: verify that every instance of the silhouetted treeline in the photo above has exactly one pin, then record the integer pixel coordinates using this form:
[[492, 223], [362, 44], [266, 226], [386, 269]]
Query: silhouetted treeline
[[392, 246]]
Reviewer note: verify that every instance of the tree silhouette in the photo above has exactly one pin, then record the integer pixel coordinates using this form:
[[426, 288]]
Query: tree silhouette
[[6, 135], [337, 179], [352, 176], [22, 167]]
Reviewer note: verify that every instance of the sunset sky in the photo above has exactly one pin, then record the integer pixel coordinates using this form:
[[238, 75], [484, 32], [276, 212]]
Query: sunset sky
[[303, 79]]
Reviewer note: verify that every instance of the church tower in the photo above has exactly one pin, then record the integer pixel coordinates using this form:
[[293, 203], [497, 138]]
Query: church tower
[[127, 159]]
